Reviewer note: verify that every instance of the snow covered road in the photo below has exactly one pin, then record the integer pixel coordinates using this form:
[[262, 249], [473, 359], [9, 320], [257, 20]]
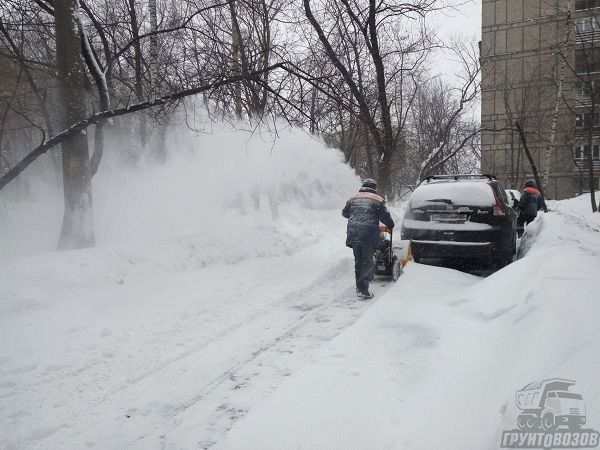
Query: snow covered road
[[81, 363], [181, 346]]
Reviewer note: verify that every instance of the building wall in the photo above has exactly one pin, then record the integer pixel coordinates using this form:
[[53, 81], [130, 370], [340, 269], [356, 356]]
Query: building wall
[[520, 71]]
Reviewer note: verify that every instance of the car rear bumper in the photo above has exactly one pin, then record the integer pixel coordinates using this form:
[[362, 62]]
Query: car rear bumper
[[451, 249], [455, 243]]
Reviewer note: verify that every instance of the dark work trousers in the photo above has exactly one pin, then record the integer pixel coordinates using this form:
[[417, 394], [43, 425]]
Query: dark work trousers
[[363, 265], [523, 220]]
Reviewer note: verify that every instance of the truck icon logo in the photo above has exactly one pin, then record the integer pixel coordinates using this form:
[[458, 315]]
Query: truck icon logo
[[550, 416], [548, 405]]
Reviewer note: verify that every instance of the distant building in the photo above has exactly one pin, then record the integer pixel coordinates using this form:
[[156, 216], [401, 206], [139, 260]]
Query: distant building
[[523, 45]]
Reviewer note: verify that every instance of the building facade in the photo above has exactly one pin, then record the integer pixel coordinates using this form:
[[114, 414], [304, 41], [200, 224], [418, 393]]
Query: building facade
[[539, 59]]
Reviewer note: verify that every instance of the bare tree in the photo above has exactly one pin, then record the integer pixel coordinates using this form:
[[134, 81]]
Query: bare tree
[[349, 73], [77, 228], [375, 23], [442, 130]]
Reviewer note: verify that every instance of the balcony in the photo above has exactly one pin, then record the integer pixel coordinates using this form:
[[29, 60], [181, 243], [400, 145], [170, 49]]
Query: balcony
[[587, 30], [586, 4]]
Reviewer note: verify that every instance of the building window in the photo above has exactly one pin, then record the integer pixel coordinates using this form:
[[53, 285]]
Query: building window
[[586, 4], [580, 152], [583, 121], [587, 60], [586, 24], [587, 29], [583, 89], [581, 183]]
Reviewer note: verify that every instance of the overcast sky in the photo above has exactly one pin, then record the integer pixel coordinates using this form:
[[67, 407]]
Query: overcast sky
[[464, 22], [465, 19]]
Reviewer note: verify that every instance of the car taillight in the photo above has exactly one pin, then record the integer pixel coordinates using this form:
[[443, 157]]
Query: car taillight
[[497, 208], [498, 211]]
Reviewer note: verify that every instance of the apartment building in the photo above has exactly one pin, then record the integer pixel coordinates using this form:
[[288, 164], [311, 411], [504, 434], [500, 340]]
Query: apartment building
[[534, 52]]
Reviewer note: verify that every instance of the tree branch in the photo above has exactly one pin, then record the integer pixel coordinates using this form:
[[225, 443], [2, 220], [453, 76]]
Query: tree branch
[[95, 118]]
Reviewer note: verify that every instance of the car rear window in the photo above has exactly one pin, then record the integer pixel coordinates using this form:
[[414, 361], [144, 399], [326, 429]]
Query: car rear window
[[458, 192]]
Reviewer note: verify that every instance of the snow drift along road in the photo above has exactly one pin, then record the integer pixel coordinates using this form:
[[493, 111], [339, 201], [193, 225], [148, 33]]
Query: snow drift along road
[[436, 361], [222, 256]]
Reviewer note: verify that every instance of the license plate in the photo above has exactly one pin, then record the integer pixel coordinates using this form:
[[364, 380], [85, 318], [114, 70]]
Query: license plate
[[380, 267], [448, 217]]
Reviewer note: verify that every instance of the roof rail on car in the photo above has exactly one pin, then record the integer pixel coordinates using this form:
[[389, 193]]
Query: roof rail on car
[[461, 175]]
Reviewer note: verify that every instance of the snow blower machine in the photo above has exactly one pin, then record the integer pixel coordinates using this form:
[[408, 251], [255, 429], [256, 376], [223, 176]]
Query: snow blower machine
[[387, 263]]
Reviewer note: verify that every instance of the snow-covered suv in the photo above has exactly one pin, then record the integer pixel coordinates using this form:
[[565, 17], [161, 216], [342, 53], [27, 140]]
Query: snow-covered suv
[[461, 216]]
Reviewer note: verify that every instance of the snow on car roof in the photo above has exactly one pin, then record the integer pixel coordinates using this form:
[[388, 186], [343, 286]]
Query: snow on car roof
[[460, 192]]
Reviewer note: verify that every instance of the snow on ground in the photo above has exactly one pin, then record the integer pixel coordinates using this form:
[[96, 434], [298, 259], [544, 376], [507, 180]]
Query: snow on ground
[[239, 327], [436, 361], [107, 361], [203, 278]]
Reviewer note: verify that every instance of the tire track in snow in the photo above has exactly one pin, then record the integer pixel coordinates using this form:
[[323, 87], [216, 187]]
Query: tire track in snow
[[191, 400], [268, 365], [307, 313]]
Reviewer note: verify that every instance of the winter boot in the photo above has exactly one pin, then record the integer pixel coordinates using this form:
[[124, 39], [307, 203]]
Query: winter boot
[[365, 295]]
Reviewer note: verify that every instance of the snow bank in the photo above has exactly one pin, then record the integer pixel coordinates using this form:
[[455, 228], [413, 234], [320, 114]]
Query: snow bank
[[202, 261], [105, 348], [215, 182], [435, 363]]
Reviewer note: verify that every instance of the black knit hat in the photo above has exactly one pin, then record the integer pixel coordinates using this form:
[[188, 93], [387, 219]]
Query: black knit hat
[[531, 183], [369, 183]]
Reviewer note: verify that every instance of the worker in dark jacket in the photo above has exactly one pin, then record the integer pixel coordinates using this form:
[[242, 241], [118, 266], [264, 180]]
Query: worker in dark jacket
[[364, 211], [530, 203]]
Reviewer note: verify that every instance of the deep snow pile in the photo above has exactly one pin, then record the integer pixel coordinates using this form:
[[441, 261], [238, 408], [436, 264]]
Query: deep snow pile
[[199, 263], [435, 363]]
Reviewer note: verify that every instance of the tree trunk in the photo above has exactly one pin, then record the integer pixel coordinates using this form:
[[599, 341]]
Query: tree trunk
[[559, 98], [531, 163], [160, 125], [363, 107], [589, 152], [137, 55], [98, 147], [389, 143], [369, 153], [265, 48], [99, 76], [77, 227], [313, 108], [153, 48], [235, 56]]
